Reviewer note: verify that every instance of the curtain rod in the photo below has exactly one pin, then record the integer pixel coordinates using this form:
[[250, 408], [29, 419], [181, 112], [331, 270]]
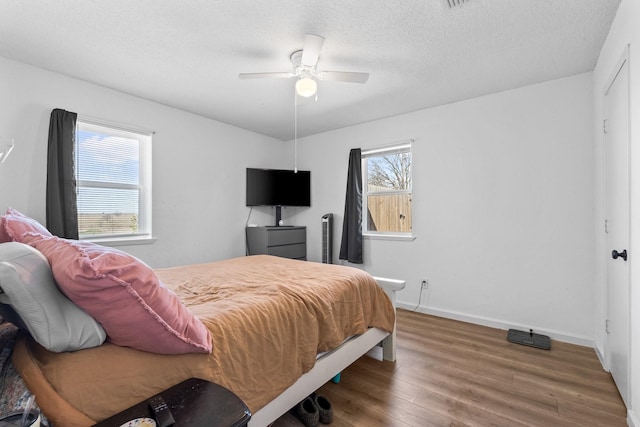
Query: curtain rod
[[395, 146]]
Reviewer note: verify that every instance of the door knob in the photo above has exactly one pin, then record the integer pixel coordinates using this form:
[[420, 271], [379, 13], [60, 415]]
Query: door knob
[[615, 254]]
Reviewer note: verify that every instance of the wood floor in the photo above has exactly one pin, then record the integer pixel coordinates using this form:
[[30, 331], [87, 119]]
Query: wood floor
[[451, 373]]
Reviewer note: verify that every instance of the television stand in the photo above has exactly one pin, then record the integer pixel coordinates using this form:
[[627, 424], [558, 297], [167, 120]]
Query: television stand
[[286, 242]]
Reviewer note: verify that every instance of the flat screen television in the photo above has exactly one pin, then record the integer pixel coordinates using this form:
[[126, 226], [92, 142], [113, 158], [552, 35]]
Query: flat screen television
[[278, 187]]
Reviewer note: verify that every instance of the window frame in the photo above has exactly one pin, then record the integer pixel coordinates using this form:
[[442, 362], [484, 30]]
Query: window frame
[[144, 186], [396, 148]]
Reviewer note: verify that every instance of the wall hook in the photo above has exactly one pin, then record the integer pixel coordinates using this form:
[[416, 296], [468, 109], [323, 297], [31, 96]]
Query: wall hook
[[6, 150]]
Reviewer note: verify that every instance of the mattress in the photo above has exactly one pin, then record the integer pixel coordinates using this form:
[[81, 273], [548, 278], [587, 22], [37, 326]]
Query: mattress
[[269, 318]]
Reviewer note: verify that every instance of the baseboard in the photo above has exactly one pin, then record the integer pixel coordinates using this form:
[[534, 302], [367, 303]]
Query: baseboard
[[500, 324], [632, 419], [601, 358]]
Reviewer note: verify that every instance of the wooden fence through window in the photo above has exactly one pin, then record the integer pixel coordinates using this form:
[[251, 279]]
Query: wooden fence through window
[[389, 212]]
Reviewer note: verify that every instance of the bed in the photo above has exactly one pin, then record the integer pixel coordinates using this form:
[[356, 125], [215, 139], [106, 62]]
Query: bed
[[279, 329]]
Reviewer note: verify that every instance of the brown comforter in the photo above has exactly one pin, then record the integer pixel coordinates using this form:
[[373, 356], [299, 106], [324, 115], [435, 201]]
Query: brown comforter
[[268, 317]]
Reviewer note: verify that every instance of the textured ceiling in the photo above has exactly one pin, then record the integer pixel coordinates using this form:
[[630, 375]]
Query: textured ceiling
[[187, 54]]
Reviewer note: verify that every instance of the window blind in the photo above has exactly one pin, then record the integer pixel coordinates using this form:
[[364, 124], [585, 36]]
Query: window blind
[[112, 187]]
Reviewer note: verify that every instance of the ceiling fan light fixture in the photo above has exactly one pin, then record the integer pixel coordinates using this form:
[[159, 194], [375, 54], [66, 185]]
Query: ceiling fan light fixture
[[306, 86]]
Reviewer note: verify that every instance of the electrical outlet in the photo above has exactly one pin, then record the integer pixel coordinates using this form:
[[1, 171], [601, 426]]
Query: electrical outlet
[[425, 283]]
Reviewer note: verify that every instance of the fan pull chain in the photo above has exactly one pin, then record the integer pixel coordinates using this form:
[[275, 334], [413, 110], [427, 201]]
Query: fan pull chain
[[295, 131]]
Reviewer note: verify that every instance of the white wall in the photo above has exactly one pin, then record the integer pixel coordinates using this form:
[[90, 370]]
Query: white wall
[[502, 206], [624, 31], [198, 164]]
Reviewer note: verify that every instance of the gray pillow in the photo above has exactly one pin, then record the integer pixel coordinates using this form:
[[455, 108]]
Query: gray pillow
[[27, 286]]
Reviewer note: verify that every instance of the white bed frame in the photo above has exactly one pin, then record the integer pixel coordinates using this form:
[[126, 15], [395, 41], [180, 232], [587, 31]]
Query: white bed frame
[[332, 363]]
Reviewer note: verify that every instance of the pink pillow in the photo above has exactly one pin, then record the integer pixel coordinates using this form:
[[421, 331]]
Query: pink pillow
[[14, 224], [124, 295]]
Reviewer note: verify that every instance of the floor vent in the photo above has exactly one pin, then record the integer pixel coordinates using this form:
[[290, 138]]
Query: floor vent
[[450, 4], [529, 338]]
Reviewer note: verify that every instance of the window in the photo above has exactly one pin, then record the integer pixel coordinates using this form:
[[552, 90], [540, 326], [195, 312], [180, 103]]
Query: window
[[113, 176], [386, 175]]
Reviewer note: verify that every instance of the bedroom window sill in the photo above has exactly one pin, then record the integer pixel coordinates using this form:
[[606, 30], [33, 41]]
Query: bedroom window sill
[[396, 237], [127, 241]]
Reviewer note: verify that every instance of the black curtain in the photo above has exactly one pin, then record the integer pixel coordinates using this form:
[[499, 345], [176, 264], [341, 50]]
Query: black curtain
[[351, 246], [62, 207]]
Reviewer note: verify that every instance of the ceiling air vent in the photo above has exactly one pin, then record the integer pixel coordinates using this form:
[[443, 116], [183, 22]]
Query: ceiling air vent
[[450, 4]]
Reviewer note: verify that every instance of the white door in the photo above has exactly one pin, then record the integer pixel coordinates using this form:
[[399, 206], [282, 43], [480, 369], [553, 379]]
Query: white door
[[616, 137]]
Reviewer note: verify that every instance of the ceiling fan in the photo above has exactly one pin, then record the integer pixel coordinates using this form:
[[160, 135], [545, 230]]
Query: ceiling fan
[[304, 64]]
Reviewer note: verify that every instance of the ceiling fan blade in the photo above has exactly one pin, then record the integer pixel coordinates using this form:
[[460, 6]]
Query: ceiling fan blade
[[283, 75], [343, 76], [311, 51]]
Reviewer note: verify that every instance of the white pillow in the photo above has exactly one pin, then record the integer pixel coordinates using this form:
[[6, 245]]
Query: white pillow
[[27, 286]]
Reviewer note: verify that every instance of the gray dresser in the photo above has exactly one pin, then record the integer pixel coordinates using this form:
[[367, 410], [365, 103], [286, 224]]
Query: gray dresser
[[287, 242]]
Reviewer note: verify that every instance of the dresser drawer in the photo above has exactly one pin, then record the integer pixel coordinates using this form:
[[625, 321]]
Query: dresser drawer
[[284, 236], [298, 251]]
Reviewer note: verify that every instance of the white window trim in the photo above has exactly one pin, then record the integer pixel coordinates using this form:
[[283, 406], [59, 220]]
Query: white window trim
[[145, 237], [122, 241], [398, 147], [402, 237]]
